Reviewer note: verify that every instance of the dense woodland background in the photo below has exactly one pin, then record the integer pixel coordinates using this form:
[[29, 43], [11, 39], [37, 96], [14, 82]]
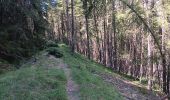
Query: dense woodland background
[[129, 36]]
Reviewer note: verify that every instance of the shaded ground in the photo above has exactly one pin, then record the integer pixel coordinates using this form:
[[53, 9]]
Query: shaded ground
[[128, 90]]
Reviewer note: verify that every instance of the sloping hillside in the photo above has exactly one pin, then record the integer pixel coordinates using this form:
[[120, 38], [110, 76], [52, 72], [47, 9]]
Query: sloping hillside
[[49, 78], [69, 77], [98, 82]]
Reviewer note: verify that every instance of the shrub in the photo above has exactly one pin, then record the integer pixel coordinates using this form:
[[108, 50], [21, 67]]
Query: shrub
[[53, 51], [52, 44]]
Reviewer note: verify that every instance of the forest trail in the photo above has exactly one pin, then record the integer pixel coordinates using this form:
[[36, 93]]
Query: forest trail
[[94, 36], [72, 88], [69, 78], [129, 90], [125, 87]]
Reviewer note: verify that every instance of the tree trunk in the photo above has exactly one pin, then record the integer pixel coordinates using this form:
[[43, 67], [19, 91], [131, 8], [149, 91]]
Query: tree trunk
[[114, 35], [141, 58], [105, 41], [62, 27], [88, 37], [150, 65], [85, 7], [168, 78], [67, 21], [72, 15]]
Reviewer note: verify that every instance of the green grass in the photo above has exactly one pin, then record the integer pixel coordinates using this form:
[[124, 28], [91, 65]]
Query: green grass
[[34, 82], [43, 81], [92, 87]]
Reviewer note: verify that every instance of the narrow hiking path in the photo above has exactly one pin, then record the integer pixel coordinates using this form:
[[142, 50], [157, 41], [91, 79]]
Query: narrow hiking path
[[129, 90], [72, 88], [72, 77], [125, 87]]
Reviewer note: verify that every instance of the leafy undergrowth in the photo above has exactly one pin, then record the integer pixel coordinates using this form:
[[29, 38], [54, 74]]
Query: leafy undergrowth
[[39, 81], [91, 86]]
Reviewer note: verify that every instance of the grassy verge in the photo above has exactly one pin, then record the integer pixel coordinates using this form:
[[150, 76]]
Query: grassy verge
[[40, 81], [92, 87]]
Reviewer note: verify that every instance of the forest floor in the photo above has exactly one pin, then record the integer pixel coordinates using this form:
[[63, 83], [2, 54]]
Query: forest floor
[[72, 77], [128, 89]]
